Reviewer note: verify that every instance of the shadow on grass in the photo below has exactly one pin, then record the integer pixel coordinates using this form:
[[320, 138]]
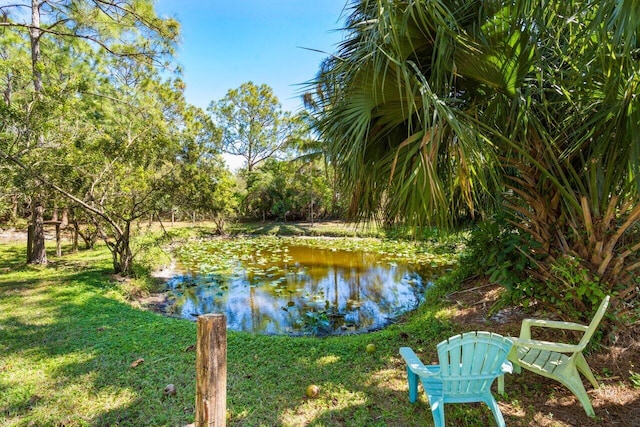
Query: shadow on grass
[[11, 257], [64, 344]]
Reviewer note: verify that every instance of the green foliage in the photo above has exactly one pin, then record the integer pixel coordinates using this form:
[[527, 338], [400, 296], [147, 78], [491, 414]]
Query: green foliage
[[316, 322], [635, 379], [436, 112], [253, 124], [287, 190], [509, 257], [574, 291], [202, 184], [577, 282], [102, 120], [502, 253]]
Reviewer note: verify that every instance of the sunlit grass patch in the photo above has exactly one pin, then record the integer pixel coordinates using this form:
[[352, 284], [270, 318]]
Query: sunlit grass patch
[[335, 397]]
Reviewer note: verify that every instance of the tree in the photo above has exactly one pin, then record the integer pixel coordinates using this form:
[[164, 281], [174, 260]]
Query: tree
[[253, 123], [287, 190], [112, 157], [123, 28], [313, 148], [203, 183], [446, 109]]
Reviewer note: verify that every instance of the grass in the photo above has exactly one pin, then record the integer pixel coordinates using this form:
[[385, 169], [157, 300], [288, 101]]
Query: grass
[[68, 339]]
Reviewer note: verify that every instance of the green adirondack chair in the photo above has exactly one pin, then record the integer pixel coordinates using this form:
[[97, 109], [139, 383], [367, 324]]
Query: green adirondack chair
[[469, 363], [559, 361]]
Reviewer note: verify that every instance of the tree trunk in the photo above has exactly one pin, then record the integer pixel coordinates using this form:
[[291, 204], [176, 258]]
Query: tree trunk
[[38, 253], [29, 242], [74, 246], [34, 34], [58, 241], [89, 237], [122, 254], [311, 211], [65, 217], [14, 208]]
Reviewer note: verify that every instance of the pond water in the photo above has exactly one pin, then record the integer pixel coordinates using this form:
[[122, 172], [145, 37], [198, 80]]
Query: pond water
[[301, 290]]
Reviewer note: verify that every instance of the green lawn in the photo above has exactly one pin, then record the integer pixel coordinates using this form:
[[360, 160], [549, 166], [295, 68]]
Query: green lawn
[[68, 339]]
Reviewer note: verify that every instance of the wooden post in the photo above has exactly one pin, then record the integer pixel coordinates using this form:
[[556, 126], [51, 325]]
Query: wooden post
[[211, 371]]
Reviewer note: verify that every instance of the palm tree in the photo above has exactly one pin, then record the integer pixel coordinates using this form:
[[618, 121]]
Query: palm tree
[[443, 109]]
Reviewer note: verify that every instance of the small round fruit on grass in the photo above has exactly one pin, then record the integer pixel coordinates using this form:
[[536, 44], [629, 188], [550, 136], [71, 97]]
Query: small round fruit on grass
[[312, 391], [371, 348]]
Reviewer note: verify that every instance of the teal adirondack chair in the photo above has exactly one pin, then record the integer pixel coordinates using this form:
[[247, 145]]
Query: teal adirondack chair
[[559, 361], [469, 363]]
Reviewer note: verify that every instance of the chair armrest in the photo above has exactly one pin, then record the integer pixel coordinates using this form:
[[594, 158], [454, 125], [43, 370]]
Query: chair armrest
[[525, 330], [546, 345], [415, 365], [507, 367]]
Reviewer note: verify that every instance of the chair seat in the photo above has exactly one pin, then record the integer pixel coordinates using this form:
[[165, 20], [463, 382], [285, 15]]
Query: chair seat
[[559, 361], [540, 360]]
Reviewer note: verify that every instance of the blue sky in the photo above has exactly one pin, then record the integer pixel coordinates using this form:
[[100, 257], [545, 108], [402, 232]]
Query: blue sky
[[228, 42]]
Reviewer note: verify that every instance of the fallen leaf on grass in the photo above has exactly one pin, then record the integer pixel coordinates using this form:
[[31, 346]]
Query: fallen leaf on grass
[[137, 362], [170, 390]]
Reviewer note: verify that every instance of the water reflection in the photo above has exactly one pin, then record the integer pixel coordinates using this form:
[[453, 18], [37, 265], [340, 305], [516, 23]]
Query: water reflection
[[299, 289]]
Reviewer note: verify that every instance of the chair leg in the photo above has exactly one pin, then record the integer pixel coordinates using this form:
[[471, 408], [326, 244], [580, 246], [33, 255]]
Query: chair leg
[[577, 388], [437, 410], [513, 358], [413, 385], [501, 385], [493, 405], [583, 367]]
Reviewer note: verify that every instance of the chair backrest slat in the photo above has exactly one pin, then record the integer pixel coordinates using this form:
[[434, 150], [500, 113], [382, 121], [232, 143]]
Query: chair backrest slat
[[594, 323], [469, 362]]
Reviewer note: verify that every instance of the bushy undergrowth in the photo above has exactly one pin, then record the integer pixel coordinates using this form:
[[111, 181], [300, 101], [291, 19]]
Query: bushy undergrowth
[[501, 253], [507, 256]]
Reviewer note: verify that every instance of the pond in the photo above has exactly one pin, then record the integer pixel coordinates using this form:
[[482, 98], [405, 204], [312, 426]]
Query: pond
[[281, 287]]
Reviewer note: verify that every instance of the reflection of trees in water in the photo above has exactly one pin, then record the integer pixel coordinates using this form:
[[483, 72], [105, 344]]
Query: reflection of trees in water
[[352, 287]]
